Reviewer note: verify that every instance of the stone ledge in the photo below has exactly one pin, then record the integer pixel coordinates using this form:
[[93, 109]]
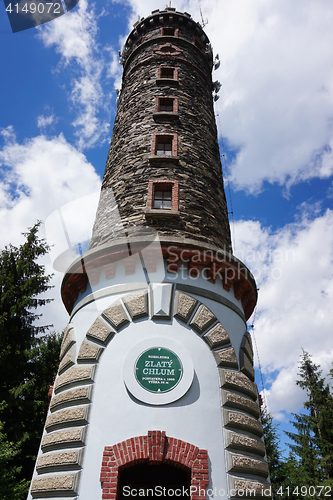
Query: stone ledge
[[233, 400], [165, 115], [68, 340], [163, 159], [235, 440], [232, 379], [77, 415], [257, 488], [116, 315], [89, 352], [246, 346], [160, 212], [64, 439], [68, 359], [226, 357], [240, 420], [167, 81], [60, 460], [55, 484], [246, 366], [76, 375], [99, 332], [216, 337], [137, 304], [78, 395], [246, 464], [202, 319], [184, 306]]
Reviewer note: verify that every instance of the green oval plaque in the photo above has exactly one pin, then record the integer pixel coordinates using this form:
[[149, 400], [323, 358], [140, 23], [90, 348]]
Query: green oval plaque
[[158, 369]]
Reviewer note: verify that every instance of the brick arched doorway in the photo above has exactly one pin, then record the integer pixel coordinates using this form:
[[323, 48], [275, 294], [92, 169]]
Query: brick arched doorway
[[155, 448]]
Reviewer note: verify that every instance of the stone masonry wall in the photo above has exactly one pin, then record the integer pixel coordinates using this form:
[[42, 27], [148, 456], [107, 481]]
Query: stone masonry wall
[[131, 162]]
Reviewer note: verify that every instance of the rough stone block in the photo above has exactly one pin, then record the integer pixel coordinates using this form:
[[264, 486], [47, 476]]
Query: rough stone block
[[247, 366], [78, 395], [246, 464], [63, 439], [137, 304], [116, 315], [256, 489], [63, 459], [74, 376], [55, 484], [226, 357], [68, 340], [241, 421], [203, 319], [68, 360], [232, 379], [238, 441], [98, 331], [246, 346], [184, 306], [233, 400], [89, 352], [77, 415], [216, 336], [160, 300]]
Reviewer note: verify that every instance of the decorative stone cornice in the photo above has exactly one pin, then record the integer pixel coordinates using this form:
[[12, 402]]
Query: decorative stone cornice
[[210, 261]]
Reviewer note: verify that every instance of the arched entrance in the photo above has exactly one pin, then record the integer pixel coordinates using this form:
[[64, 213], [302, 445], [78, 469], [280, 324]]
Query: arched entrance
[[154, 460], [154, 481]]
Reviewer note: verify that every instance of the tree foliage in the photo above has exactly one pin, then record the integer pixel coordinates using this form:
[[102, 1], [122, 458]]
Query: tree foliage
[[28, 359], [310, 461]]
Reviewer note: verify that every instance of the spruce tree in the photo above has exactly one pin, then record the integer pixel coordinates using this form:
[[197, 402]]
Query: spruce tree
[[313, 442], [276, 465], [28, 356]]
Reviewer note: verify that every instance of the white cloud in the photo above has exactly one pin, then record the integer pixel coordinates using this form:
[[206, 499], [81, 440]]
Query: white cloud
[[38, 177], [45, 121], [293, 268], [75, 37]]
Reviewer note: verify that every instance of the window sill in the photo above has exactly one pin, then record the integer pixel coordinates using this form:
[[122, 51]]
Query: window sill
[[166, 115], [163, 159], [167, 81], [160, 212]]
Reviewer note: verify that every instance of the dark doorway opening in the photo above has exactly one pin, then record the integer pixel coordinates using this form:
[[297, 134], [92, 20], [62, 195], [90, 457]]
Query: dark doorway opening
[[153, 481]]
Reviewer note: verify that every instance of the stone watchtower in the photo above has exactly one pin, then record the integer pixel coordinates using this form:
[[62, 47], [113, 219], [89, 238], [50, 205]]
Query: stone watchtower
[[156, 384]]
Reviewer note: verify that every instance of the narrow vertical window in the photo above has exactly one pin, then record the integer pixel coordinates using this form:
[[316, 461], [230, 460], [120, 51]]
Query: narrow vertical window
[[162, 195], [162, 199], [164, 145], [166, 105]]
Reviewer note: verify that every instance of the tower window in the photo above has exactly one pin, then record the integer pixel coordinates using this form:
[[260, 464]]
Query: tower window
[[163, 195], [169, 31], [167, 73], [162, 199], [164, 146], [166, 105]]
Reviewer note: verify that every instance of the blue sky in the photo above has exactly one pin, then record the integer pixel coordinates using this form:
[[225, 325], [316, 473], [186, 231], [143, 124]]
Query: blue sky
[[58, 103]]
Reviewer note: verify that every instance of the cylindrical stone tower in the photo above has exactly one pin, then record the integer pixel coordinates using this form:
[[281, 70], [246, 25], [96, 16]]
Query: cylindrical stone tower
[[155, 391]]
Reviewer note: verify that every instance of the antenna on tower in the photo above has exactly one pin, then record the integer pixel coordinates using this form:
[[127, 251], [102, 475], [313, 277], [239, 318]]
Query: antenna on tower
[[203, 21]]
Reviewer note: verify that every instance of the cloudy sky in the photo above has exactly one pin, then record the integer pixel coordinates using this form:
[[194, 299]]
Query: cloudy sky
[[275, 120]]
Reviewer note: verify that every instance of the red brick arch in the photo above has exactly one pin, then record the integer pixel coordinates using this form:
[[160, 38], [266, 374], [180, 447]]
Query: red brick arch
[[155, 447]]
